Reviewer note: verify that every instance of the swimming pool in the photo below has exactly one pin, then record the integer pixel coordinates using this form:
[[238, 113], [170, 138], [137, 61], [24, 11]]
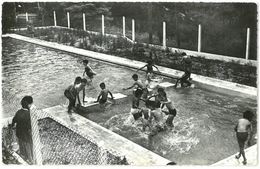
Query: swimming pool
[[203, 132]]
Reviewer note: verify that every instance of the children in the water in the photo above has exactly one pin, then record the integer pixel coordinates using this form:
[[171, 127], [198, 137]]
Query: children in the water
[[88, 72], [139, 89], [103, 95], [149, 67]]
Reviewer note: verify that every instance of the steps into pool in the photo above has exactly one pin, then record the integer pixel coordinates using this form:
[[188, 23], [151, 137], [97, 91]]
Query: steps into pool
[[92, 104], [166, 84]]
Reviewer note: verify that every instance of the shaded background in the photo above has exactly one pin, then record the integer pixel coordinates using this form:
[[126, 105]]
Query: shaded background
[[223, 24]]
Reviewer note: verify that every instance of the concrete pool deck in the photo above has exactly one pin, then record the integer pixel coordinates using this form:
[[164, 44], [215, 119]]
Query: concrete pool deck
[[251, 155], [210, 82]]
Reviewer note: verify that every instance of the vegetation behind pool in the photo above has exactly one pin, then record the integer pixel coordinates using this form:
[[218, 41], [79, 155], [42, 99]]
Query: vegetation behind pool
[[229, 71]]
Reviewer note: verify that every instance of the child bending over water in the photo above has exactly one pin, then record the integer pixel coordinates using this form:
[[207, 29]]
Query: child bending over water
[[71, 94]]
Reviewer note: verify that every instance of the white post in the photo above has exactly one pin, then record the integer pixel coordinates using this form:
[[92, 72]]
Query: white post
[[26, 16], [133, 30], [68, 18], [123, 26], [199, 38], [54, 17], [84, 22], [247, 42], [164, 34], [103, 25], [35, 135]]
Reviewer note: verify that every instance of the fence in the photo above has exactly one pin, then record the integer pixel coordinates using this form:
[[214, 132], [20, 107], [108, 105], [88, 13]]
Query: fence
[[191, 37]]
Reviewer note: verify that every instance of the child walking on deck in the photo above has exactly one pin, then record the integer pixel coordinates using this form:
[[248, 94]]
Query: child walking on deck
[[243, 131]]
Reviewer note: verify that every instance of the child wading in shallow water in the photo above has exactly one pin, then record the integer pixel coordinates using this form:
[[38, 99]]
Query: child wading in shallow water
[[139, 89], [149, 67], [243, 131], [88, 72]]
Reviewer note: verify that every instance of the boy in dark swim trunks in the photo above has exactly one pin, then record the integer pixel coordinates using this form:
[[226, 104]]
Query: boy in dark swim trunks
[[243, 130], [88, 71], [170, 112], [139, 89], [71, 93], [102, 97]]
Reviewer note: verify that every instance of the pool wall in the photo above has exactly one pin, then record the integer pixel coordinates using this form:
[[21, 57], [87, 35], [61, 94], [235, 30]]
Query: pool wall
[[210, 82]]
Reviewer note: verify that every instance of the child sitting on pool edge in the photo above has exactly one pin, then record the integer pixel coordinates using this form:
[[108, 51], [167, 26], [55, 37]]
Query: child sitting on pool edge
[[103, 96]]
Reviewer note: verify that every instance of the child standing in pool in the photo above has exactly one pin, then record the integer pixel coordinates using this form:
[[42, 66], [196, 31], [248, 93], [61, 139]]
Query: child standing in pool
[[88, 72], [139, 89], [243, 130], [149, 69], [102, 97]]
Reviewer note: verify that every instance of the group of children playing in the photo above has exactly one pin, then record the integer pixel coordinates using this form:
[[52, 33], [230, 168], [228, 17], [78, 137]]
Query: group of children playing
[[72, 92], [158, 113], [158, 109]]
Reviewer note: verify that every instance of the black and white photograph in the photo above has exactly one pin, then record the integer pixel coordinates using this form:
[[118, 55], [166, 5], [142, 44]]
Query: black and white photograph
[[129, 83]]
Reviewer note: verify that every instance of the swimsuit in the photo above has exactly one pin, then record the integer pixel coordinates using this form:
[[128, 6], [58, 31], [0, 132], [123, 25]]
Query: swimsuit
[[89, 72], [172, 112], [102, 101], [241, 138]]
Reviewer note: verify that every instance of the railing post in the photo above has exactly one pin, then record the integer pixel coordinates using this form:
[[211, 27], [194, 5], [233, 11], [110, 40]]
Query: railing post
[[103, 25], [26, 16], [84, 22], [247, 42], [133, 30], [123, 26], [68, 18], [199, 38], [164, 34], [54, 17], [35, 136]]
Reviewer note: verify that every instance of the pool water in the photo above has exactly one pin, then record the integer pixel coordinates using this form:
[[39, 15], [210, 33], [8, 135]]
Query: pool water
[[203, 130]]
